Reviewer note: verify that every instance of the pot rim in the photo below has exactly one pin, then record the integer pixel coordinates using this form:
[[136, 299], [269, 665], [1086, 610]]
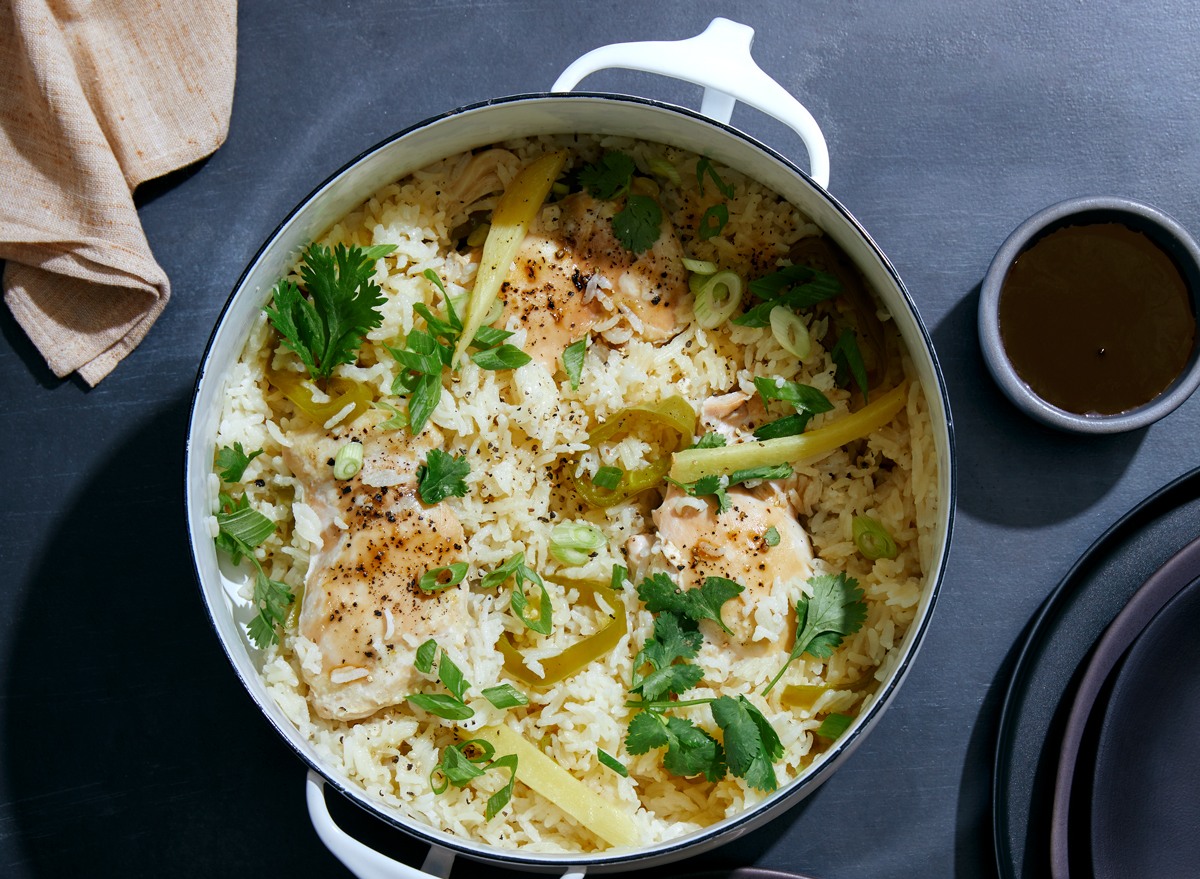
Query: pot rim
[[780, 800]]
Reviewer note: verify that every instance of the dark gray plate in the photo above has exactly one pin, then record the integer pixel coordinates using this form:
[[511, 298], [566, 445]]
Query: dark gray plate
[[1052, 660], [1145, 810]]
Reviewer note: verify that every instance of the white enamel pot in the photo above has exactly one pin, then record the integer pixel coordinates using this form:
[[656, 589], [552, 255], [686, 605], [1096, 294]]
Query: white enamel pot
[[718, 59]]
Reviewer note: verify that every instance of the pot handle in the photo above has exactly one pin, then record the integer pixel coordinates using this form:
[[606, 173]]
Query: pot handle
[[366, 863], [719, 60]]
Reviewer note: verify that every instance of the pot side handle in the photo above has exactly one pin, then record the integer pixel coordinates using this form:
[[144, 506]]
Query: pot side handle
[[719, 60], [366, 863]]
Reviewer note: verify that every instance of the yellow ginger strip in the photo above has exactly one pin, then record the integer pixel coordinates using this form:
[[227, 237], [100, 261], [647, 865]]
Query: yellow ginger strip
[[510, 221], [690, 465], [543, 775]]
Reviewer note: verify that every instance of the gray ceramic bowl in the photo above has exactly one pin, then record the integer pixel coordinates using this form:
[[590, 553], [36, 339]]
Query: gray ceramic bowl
[[1156, 225]]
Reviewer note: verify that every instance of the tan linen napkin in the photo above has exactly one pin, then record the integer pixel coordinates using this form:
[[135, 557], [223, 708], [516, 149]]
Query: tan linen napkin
[[95, 98]]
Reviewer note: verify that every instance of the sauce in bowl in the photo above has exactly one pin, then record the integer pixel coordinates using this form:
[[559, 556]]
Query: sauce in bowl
[[1097, 319]]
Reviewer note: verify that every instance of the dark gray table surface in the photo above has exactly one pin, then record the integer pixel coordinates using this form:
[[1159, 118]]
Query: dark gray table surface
[[127, 746]]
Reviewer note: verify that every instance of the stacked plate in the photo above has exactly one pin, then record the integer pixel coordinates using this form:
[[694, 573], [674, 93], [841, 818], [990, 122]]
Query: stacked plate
[[1097, 768]]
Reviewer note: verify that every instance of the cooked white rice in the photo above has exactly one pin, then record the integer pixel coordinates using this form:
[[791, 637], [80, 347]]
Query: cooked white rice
[[514, 428]]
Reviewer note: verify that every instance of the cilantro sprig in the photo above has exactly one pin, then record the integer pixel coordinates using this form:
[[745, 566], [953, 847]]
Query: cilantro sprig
[[836, 609], [240, 529], [749, 744], [326, 327], [675, 638], [639, 223]]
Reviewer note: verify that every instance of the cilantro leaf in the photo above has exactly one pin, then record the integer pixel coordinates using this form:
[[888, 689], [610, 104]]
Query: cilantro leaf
[[690, 750], [659, 593], [327, 328], [836, 609], [772, 536], [233, 462], [272, 599], [751, 744], [709, 441], [441, 476], [638, 225], [849, 361], [572, 359], [610, 177]]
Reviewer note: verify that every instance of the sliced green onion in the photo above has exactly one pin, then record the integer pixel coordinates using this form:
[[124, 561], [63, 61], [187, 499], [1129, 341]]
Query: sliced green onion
[[700, 266], [426, 654], [713, 221], [834, 725], [612, 763], [559, 188], [501, 798], [505, 696], [348, 460], [452, 677], [441, 705], [717, 299], [789, 331], [665, 169], [431, 580], [572, 359], [608, 477], [872, 539], [619, 573], [458, 768], [572, 543]]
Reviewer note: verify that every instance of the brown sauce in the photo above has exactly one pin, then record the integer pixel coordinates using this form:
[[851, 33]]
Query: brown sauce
[[1096, 319]]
